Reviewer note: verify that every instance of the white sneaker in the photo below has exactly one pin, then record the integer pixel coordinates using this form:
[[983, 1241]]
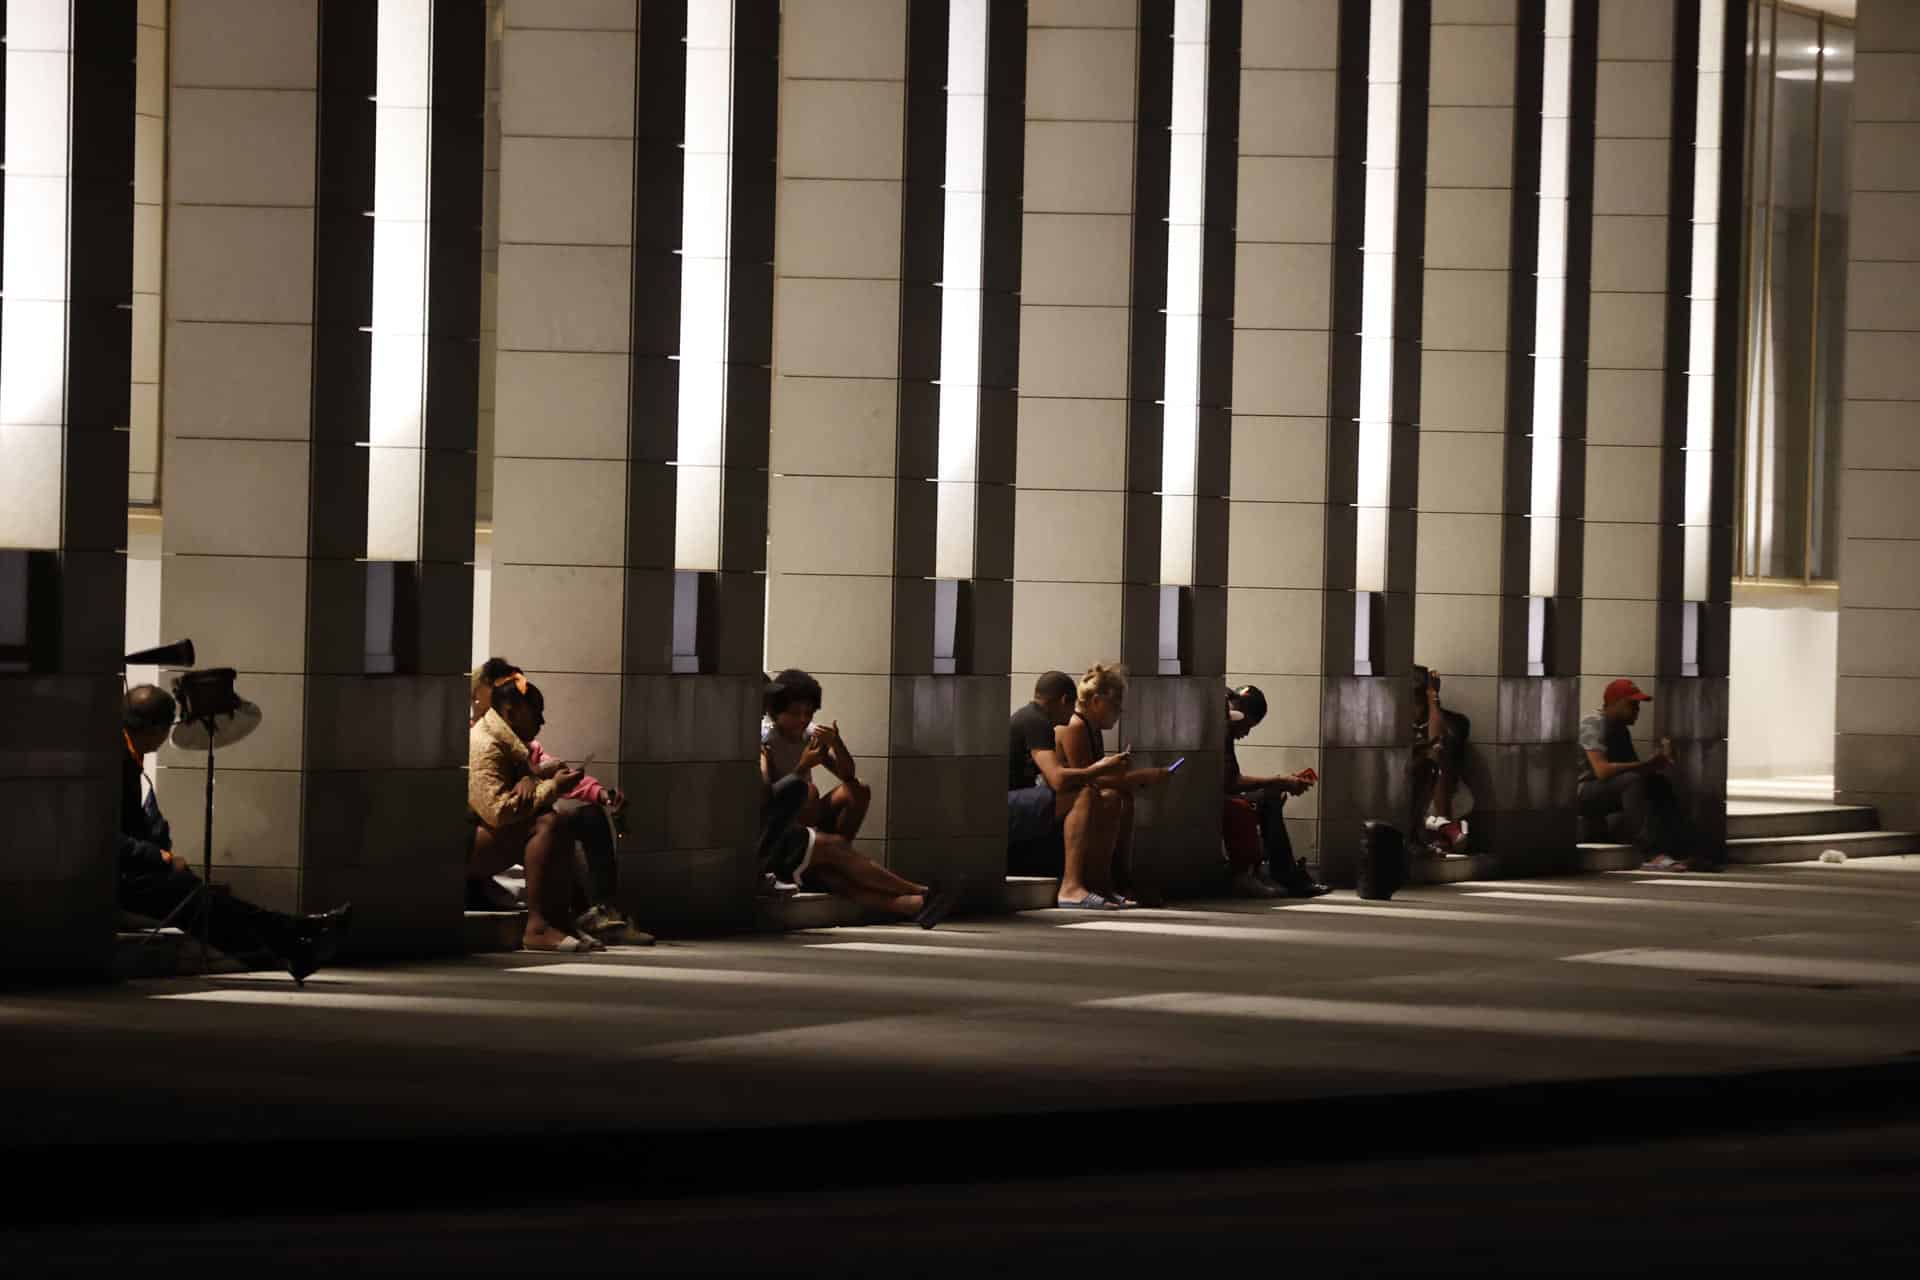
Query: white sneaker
[[1247, 884]]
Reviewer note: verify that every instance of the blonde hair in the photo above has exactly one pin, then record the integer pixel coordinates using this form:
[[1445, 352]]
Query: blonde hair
[[1103, 677]]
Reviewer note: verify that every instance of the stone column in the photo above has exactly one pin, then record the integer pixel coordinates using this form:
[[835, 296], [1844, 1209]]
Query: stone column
[[63, 530], [352, 788], [1627, 359], [1302, 143], [1877, 745]]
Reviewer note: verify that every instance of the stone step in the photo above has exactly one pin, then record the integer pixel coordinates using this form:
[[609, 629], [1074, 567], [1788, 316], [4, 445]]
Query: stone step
[[1808, 848], [494, 930], [1451, 868], [1607, 857], [803, 911], [1802, 821], [1030, 893], [172, 954]]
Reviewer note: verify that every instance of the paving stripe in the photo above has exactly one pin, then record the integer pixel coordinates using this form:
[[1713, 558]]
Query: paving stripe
[[1496, 917], [957, 953], [1800, 968], [1483, 1018], [289, 998], [1776, 886], [1302, 937], [1641, 904], [660, 973]]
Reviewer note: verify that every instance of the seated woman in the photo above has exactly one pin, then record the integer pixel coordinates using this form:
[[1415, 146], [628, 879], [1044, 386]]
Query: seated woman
[[1101, 695], [591, 812], [514, 817]]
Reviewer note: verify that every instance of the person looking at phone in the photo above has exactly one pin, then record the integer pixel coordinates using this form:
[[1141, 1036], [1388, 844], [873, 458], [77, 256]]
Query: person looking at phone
[[1057, 824], [1100, 697], [1613, 779], [1253, 826], [792, 745], [1440, 738]]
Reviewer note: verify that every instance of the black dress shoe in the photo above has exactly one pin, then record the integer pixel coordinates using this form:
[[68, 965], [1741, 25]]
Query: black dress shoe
[[316, 940]]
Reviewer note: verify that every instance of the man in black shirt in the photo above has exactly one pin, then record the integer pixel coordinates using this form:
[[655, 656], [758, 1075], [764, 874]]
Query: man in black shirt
[[1055, 821], [1254, 825], [154, 879]]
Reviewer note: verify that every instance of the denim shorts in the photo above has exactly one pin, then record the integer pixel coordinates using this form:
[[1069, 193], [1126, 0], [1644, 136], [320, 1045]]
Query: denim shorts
[[1030, 814]]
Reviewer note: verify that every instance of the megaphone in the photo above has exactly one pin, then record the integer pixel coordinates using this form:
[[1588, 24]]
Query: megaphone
[[177, 654]]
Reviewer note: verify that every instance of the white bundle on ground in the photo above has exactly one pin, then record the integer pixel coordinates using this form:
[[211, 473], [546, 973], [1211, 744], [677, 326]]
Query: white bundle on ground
[[1833, 855]]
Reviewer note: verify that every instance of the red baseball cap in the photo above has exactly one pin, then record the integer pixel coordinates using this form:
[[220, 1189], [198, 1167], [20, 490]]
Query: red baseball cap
[[1624, 689]]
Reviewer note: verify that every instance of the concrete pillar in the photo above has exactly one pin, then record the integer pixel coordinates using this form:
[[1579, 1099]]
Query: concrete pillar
[[1877, 746], [1633, 220], [64, 406], [352, 788], [1299, 112]]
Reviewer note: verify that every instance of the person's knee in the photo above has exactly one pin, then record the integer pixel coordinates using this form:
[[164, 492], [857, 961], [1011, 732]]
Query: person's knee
[[858, 792]]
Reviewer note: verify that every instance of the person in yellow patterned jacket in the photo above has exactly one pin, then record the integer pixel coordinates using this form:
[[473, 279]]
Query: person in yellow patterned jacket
[[514, 818]]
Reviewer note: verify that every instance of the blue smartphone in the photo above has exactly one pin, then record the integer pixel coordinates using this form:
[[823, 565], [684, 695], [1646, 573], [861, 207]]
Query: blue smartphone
[[1175, 766]]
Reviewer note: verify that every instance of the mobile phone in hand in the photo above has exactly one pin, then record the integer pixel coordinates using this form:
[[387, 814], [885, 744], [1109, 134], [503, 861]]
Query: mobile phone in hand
[[1175, 766]]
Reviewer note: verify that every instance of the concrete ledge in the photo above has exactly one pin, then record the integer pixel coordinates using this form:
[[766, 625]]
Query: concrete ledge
[[1802, 820], [1808, 848], [1029, 893], [170, 954], [494, 930]]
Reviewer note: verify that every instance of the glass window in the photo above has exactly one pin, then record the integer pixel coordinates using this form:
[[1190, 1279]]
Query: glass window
[[1800, 107]]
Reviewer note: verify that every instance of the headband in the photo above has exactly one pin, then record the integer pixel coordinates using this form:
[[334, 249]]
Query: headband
[[518, 680]]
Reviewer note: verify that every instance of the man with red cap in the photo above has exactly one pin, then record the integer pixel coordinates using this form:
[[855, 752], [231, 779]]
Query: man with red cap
[[1613, 779]]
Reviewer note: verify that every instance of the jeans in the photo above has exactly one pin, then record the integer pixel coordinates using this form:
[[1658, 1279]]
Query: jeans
[[1654, 821], [592, 826]]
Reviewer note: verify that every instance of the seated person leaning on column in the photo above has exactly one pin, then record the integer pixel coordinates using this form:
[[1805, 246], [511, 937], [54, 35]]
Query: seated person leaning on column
[[514, 821], [794, 746], [794, 850], [1047, 800], [154, 879], [589, 811], [1613, 779], [1254, 824], [1102, 693], [1439, 751]]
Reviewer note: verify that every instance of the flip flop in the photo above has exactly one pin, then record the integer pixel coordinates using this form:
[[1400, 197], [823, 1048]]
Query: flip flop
[[1092, 902]]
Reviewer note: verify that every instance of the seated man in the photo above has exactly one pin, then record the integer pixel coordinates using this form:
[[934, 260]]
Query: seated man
[[819, 861], [592, 813], [155, 881], [1613, 779], [1442, 798], [1254, 825], [787, 732], [1050, 804]]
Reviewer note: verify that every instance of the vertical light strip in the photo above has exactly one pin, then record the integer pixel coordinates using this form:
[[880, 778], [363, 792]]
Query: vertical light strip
[[704, 221], [960, 288], [33, 311], [1376, 297], [1703, 298], [1186, 219], [1550, 312], [396, 418]]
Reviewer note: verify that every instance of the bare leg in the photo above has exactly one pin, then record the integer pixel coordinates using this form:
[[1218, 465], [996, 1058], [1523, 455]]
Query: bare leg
[[549, 865], [1084, 833], [842, 885], [847, 808], [832, 852], [1120, 844]]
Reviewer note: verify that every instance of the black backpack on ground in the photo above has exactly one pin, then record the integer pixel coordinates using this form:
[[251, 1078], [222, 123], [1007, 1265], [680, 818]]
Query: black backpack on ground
[[1383, 862]]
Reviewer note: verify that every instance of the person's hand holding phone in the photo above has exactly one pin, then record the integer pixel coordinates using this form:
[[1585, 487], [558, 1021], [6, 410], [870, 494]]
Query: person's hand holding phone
[[1115, 763]]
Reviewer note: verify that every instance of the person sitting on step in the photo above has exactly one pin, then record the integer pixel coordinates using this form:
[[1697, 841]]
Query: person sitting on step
[[1613, 779], [593, 814], [1057, 825], [795, 745], [1253, 826], [155, 880], [1100, 697], [793, 848], [514, 821], [1442, 797]]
